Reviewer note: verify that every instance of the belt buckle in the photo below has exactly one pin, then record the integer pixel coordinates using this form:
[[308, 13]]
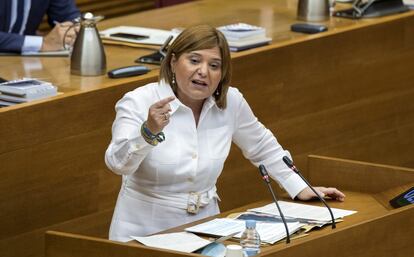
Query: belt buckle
[[193, 204]]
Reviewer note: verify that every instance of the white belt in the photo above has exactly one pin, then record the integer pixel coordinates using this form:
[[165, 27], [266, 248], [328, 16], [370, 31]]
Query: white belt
[[191, 201]]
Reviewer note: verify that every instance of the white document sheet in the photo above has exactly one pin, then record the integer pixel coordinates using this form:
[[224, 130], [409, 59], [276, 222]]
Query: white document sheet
[[181, 241], [152, 36], [303, 211], [269, 232]]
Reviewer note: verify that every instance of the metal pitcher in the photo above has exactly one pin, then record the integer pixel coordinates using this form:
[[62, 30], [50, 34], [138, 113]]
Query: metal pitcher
[[88, 54], [313, 10]]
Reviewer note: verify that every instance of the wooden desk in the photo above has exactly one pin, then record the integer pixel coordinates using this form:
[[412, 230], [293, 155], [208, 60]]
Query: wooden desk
[[346, 93], [376, 230]]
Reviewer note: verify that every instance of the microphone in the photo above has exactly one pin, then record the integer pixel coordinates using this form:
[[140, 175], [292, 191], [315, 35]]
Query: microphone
[[290, 164], [164, 46], [158, 56], [265, 177]]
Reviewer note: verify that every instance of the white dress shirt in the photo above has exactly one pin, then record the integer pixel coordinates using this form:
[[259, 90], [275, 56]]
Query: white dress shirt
[[159, 181]]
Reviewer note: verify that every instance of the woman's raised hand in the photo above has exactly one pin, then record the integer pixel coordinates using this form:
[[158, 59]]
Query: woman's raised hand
[[158, 115]]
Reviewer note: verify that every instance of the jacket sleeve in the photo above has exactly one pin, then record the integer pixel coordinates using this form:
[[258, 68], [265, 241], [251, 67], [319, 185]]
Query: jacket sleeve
[[260, 146], [127, 148], [10, 42], [62, 10]]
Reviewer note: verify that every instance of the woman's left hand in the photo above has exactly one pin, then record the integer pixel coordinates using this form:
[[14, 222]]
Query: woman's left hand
[[331, 192]]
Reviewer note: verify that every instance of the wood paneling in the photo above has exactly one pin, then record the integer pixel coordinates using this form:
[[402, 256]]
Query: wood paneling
[[323, 97], [33, 243], [369, 177], [164, 3], [374, 230], [345, 93], [56, 181]]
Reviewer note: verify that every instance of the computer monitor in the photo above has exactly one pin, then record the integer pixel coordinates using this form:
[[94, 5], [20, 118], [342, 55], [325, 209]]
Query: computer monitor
[[372, 8]]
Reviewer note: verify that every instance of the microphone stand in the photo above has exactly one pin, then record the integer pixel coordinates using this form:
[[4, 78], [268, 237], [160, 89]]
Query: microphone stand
[[290, 164], [158, 56], [265, 177]]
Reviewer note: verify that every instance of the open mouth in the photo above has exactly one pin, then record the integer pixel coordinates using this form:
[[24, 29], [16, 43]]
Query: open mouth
[[199, 83]]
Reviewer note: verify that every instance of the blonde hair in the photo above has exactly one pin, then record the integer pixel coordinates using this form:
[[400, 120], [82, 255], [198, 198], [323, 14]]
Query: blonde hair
[[198, 38]]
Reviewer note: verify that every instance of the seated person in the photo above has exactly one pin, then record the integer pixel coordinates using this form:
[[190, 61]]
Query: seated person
[[170, 140], [19, 20]]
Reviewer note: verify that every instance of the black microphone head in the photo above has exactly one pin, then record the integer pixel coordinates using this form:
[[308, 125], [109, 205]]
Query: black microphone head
[[288, 161], [262, 170], [163, 48], [264, 173], [290, 164]]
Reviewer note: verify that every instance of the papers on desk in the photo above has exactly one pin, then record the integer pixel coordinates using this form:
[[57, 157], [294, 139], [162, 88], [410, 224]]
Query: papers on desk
[[137, 35], [181, 241], [409, 3], [6, 103], [303, 212], [62, 53], [269, 232], [271, 228], [25, 90], [242, 36]]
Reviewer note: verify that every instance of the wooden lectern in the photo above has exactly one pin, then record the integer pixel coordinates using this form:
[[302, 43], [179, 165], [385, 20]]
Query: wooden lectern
[[376, 230]]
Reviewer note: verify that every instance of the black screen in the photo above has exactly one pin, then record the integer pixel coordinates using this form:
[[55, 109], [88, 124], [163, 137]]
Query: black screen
[[403, 199], [130, 36]]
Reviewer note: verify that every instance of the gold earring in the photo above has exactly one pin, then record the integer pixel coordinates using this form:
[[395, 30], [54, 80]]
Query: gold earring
[[173, 79]]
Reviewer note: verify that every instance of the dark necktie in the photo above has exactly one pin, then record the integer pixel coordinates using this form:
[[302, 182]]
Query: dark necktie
[[19, 17], [5, 20]]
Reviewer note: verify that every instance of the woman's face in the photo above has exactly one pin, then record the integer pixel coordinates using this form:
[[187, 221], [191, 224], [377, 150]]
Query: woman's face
[[198, 74]]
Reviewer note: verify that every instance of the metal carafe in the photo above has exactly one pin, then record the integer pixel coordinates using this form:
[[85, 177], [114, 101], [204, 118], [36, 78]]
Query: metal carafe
[[88, 54], [313, 10]]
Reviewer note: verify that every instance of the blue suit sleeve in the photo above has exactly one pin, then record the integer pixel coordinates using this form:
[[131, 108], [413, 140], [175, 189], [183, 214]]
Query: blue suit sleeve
[[62, 10], [10, 42]]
